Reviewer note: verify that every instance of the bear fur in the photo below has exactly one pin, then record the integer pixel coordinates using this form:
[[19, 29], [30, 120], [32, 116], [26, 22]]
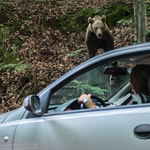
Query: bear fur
[[98, 36]]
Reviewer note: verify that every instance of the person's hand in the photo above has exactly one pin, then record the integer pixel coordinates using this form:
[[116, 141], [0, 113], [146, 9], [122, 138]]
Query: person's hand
[[89, 103], [82, 97]]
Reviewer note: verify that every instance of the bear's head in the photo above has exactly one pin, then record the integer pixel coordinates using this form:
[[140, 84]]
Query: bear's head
[[98, 25]]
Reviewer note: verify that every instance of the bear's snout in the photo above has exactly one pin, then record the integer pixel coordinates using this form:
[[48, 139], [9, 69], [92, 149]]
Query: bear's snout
[[99, 35]]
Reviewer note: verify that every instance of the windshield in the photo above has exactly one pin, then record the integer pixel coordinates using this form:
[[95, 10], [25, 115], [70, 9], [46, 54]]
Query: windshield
[[92, 82]]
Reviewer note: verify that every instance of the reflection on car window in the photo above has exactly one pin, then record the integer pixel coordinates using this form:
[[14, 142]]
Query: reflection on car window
[[92, 82]]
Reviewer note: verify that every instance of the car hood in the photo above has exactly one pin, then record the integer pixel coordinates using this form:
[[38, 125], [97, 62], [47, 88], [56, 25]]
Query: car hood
[[4, 116]]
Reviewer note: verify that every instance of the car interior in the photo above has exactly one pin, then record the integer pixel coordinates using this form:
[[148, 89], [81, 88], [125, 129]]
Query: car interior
[[107, 83]]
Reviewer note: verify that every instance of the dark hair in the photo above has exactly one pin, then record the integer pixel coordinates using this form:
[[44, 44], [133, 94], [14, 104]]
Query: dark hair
[[139, 78]]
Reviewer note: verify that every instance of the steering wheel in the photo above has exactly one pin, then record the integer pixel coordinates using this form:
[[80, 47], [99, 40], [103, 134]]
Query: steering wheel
[[95, 97]]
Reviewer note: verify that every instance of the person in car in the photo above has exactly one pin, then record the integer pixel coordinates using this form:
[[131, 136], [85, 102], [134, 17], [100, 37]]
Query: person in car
[[140, 76]]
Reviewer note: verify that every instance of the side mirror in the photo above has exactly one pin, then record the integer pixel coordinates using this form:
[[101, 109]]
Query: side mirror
[[115, 70], [32, 104]]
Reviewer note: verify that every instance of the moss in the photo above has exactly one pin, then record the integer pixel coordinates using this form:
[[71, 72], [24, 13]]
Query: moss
[[121, 12], [18, 42], [10, 57], [54, 23], [148, 9], [33, 29], [2, 51], [7, 28], [4, 33], [77, 21], [24, 17], [3, 18], [67, 22], [1, 48], [17, 23]]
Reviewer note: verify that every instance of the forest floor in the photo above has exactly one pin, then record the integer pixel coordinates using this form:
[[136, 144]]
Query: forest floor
[[48, 53]]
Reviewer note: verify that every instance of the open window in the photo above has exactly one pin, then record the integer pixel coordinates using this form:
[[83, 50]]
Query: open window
[[96, 81]]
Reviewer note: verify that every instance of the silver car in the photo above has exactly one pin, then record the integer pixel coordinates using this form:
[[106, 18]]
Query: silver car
[[54, 120]]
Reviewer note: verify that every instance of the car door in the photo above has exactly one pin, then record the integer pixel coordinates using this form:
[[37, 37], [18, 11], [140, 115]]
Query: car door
[[124, 127], [8, 125], [7, 131]]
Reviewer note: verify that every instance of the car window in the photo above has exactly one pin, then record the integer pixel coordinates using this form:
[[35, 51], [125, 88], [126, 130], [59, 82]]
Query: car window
[[92, 82]]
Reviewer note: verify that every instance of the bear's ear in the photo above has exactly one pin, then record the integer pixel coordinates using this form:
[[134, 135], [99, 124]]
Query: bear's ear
[[90, 20], [103, 18]]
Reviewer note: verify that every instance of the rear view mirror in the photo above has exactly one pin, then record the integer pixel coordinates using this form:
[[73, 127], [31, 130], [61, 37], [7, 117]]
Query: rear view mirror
[[32, 103], [115, 70]]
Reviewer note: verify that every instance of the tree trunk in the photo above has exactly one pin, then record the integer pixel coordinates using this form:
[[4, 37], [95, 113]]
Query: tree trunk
[[141, 28], [140, 20], [146, 24], [136, 14]]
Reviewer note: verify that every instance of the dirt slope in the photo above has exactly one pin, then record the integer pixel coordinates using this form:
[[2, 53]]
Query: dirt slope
[[45, 52]]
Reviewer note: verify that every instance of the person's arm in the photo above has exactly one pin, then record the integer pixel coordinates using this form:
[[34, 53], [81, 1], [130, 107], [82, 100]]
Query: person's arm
[[126, 100], [89, 103]]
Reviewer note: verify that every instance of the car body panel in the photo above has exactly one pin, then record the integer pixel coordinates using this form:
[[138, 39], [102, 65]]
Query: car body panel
[[7, 130], [4, 116], [8, 127], [16, 114], [111, 128]]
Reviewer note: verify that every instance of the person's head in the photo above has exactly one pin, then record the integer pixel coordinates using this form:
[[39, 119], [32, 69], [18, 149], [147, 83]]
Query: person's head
[[139, 79]]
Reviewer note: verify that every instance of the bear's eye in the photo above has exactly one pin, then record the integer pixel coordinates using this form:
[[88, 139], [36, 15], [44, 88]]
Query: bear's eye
[[102, 28], [95, 28]]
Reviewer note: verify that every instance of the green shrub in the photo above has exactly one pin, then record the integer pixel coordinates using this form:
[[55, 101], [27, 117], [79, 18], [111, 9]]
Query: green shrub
[[77, 21], [121, 12], [15, 67], [75, 53]]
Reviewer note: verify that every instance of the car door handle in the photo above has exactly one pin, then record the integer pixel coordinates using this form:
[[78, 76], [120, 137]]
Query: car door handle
[[142, 131], [5, 139]]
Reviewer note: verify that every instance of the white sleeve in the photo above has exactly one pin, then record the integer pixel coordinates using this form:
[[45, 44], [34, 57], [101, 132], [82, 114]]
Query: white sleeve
[[121, 100], [137, 98]]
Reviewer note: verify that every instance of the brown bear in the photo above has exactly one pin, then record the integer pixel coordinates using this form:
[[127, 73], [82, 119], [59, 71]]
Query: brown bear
[[98, 36]]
